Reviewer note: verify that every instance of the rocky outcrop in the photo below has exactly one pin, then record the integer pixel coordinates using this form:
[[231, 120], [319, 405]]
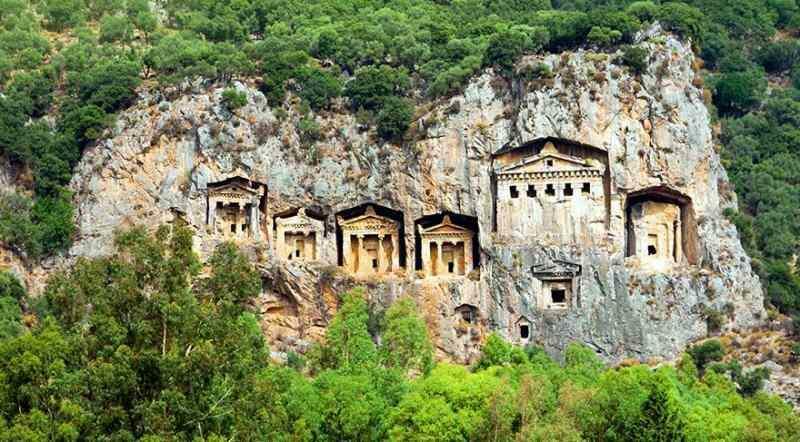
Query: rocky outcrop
[[651, 132]]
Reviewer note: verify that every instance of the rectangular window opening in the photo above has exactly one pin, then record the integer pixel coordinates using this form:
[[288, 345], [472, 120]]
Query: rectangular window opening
[[558, 296], [374, 263], [233, 228], [524, 331], [586, 188], [451, 267], [531, 191], [549, 163], [567, 189], [513, 191], [550, 190]]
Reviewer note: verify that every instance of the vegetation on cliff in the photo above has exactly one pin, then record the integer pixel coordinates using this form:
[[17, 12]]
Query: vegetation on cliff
[[67, 66], [145, 345]]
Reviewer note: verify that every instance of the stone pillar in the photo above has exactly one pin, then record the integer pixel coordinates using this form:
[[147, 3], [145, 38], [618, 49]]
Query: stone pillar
[[395, 251], [255, 222], [467, 256], [212, 208], [308, 253], [362, 256], [381, 268], [281, 240], [678, 242], [438, 264], [347, 259], [425, 253]]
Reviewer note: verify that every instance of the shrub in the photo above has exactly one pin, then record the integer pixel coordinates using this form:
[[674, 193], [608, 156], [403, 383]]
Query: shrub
[[706, 352], [10, 316], [683, 19], [602, 36], [635, 57], [373, 84], [317, 87], [738, 92], [507, 45], [394, 117], [10, 287], [233, 99], [116, 28], [309, 130], [752, 381], [778, 56]]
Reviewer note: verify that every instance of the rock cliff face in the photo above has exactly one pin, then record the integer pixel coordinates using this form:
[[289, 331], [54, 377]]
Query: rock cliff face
[[578, 273]]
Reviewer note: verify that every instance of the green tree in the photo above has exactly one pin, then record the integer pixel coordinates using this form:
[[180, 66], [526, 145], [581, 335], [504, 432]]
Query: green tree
[[405, 344], [394, 117]]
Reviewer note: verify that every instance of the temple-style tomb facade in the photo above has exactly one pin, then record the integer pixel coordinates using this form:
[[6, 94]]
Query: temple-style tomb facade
[[551, 195], [446, 249], [298, 236], [656, 231], [370, 243], [234, 208]]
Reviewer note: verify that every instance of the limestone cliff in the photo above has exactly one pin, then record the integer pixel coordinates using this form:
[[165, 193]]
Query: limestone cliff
[[647, 135]]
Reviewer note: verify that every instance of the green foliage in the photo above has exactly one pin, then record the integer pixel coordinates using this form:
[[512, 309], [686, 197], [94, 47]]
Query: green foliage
[[497, 351], [705, 353], [635, 57], [317, 87], [738, 92], [373, 84], [10, 287], [394, 117], [405, 342], [233, 99], [10, 317], [348, 346], [507, 45]]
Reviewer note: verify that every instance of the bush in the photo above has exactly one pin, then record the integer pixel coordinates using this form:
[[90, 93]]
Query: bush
[[706, 353], [778, 56], [602, 36], [683, 19], [737, 92], [394, 117], [10, 287], [317, 87], [10, 317], [507, 45], [309, 130], [752, 381], [635, 57], [108, 85], [373, 84], [233, 99]]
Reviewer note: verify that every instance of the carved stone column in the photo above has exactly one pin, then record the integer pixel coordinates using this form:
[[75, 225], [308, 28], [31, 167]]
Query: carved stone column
[[438, 263], [426, 256], [678, 242], [255, 222], [308, 252], [467, 256], [363, 263], [212, 207], [347, 250], [381, 268], [395, 251]]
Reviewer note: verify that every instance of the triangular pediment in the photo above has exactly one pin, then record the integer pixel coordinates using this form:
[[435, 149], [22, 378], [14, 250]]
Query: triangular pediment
[[233, 188], [369, 218], [545, 163], [556, 268], [445, 227]]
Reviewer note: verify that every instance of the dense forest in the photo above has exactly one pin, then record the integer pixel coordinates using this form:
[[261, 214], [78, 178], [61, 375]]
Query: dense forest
[[144, 344]]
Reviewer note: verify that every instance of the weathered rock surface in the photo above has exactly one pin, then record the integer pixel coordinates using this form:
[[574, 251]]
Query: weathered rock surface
[[654, 128]]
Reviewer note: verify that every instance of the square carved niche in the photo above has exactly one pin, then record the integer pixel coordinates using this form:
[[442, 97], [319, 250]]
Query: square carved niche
[[556, 294]]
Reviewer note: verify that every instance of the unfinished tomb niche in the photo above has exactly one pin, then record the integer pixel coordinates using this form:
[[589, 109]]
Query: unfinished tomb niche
[[661, 228], [446, 245], [369, 240], [236, 208], [558, 284], [524, 329], [566, 191], [467, 313], [299, 234]]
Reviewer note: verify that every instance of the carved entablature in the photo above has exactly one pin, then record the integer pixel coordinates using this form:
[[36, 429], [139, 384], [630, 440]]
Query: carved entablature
[[299, 236], [446, 249], [234, 208], [370, 243], [556, 197], [557, 284]]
